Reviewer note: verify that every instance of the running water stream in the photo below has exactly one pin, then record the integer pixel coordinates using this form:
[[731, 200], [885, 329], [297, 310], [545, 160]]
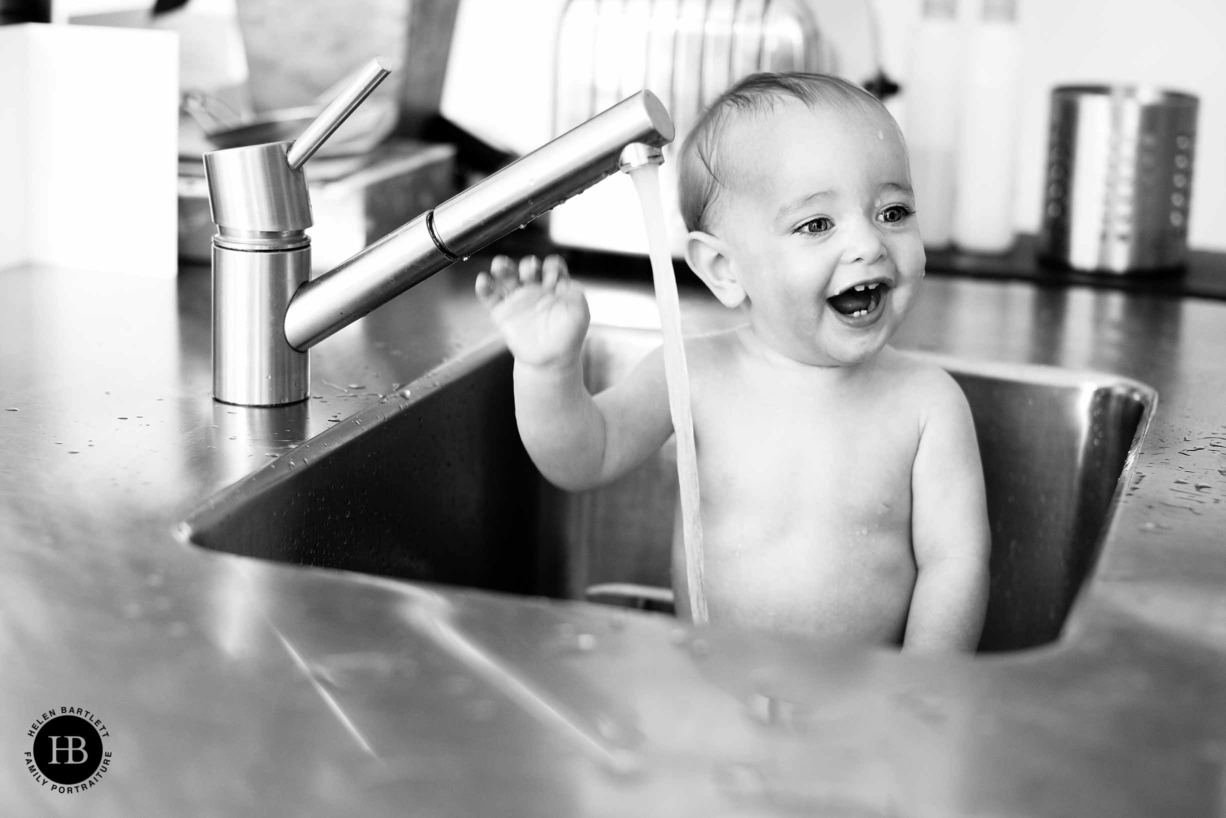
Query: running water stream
[[647, 184]]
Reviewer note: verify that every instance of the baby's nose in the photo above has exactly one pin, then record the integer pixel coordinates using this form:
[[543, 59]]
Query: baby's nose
[[864, 244]]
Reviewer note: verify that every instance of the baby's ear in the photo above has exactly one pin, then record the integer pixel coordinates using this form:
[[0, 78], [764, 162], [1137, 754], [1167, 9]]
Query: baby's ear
[[708, 259]]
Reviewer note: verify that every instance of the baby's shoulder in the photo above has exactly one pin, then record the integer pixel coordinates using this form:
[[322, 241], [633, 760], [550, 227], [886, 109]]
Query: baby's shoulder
[[923, 382], [929, 391]]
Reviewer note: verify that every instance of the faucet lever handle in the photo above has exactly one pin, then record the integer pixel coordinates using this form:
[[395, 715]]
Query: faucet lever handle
[[337, 112]]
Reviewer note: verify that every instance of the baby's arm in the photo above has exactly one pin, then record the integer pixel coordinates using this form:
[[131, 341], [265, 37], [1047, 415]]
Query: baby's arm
[[949, 523], [577, 441]]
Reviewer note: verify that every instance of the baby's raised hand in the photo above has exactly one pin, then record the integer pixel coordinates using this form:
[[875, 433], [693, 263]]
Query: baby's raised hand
[[542, 314]]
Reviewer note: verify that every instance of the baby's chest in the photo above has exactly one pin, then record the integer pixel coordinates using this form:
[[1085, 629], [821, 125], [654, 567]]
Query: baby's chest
[[857, 458]]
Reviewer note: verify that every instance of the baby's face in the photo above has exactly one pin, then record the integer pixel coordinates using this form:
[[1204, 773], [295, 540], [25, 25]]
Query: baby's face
[[819, 225]]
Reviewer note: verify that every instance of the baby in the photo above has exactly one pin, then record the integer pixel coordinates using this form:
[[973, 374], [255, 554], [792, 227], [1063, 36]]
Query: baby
[[842, 493]]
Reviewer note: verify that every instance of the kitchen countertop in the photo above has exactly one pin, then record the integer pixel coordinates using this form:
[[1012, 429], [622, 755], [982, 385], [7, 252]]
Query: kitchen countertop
[[233, 686]]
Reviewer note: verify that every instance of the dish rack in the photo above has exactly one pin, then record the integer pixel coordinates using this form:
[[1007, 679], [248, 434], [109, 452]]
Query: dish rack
[[686, 52]]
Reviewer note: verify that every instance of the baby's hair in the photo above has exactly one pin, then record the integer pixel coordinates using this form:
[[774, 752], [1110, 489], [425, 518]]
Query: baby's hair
[[700, 181]]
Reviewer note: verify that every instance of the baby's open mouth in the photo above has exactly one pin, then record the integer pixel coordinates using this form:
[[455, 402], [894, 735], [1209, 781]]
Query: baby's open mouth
[[860, 300]]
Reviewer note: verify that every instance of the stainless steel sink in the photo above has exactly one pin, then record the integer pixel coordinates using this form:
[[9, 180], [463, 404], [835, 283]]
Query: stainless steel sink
[[436, 487]]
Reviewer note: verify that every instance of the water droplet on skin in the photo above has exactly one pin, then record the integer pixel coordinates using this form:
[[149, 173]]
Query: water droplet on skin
[[740, 780]]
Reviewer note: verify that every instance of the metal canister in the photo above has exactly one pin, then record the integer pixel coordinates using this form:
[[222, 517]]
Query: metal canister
[[1119, 178]]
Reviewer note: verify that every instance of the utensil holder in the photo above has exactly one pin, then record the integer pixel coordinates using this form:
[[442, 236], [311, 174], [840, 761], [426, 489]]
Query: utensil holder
[[1119, 178]]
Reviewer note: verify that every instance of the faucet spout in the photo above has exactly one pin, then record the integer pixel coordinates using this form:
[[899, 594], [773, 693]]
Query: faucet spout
[[464, 224]]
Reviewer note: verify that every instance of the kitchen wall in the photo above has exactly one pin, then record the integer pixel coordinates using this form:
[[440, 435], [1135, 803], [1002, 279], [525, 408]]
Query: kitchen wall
[[503, 48], [1176, 44]]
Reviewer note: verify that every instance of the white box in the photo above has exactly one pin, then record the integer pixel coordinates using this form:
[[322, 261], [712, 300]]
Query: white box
[[89, 148]]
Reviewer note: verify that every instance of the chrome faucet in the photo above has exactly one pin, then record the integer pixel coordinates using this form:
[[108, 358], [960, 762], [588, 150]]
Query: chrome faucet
[[267, 312]]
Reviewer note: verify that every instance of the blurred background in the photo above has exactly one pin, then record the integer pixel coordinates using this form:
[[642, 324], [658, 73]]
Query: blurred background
[[491, 76]]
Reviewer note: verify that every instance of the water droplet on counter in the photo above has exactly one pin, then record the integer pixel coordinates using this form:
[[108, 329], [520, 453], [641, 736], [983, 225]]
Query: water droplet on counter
[[771, 710], [480, 709], [12, 409], [458, 685], [357, 386], [73, 451]]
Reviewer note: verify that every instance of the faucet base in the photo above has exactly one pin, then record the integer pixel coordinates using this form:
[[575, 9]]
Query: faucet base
[[253, 364]]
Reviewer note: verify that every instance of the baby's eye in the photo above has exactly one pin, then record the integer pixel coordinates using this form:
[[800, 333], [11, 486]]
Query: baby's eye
[[819, 225], [895, 213]]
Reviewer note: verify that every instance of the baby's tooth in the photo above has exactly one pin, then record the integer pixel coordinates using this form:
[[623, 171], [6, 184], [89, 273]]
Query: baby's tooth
[[859, 288]]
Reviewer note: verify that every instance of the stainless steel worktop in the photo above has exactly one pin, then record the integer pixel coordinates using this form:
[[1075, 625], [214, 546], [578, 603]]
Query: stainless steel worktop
[[234, 686]]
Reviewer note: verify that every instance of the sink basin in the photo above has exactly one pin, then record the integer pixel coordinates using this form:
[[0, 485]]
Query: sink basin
[[436, 487]]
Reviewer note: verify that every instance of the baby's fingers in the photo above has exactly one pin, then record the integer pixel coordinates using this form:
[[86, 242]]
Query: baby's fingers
[[529, 270], [505, 274], [488, 292], [553, 271]]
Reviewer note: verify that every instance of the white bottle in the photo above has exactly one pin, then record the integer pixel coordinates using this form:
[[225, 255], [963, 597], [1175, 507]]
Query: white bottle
[[933, 100], [987, 133]]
